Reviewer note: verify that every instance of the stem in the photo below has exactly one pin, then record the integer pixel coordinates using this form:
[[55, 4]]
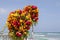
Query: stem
[[32, 32]]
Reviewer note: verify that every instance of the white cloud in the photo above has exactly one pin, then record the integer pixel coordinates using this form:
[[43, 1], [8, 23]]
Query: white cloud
[[2, 10]]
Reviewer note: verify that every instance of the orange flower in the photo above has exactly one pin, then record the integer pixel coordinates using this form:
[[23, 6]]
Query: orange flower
[[20, 21]]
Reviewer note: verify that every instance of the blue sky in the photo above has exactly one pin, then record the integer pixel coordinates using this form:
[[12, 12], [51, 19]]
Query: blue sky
[[49, 13]]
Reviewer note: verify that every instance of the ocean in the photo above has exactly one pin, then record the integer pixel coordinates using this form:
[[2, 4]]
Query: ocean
[[37, 36], [45, 36]]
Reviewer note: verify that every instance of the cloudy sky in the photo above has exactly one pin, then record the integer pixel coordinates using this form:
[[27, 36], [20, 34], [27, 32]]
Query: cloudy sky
[[49, 13]]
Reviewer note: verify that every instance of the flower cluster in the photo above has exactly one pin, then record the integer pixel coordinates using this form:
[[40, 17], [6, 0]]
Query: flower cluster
[[20, 21]]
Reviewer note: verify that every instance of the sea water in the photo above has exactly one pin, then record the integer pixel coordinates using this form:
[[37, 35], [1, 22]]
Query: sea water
[[45, 36], [37, 36]]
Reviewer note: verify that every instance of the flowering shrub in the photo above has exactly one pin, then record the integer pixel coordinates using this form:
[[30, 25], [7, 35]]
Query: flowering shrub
[[20, 21]]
